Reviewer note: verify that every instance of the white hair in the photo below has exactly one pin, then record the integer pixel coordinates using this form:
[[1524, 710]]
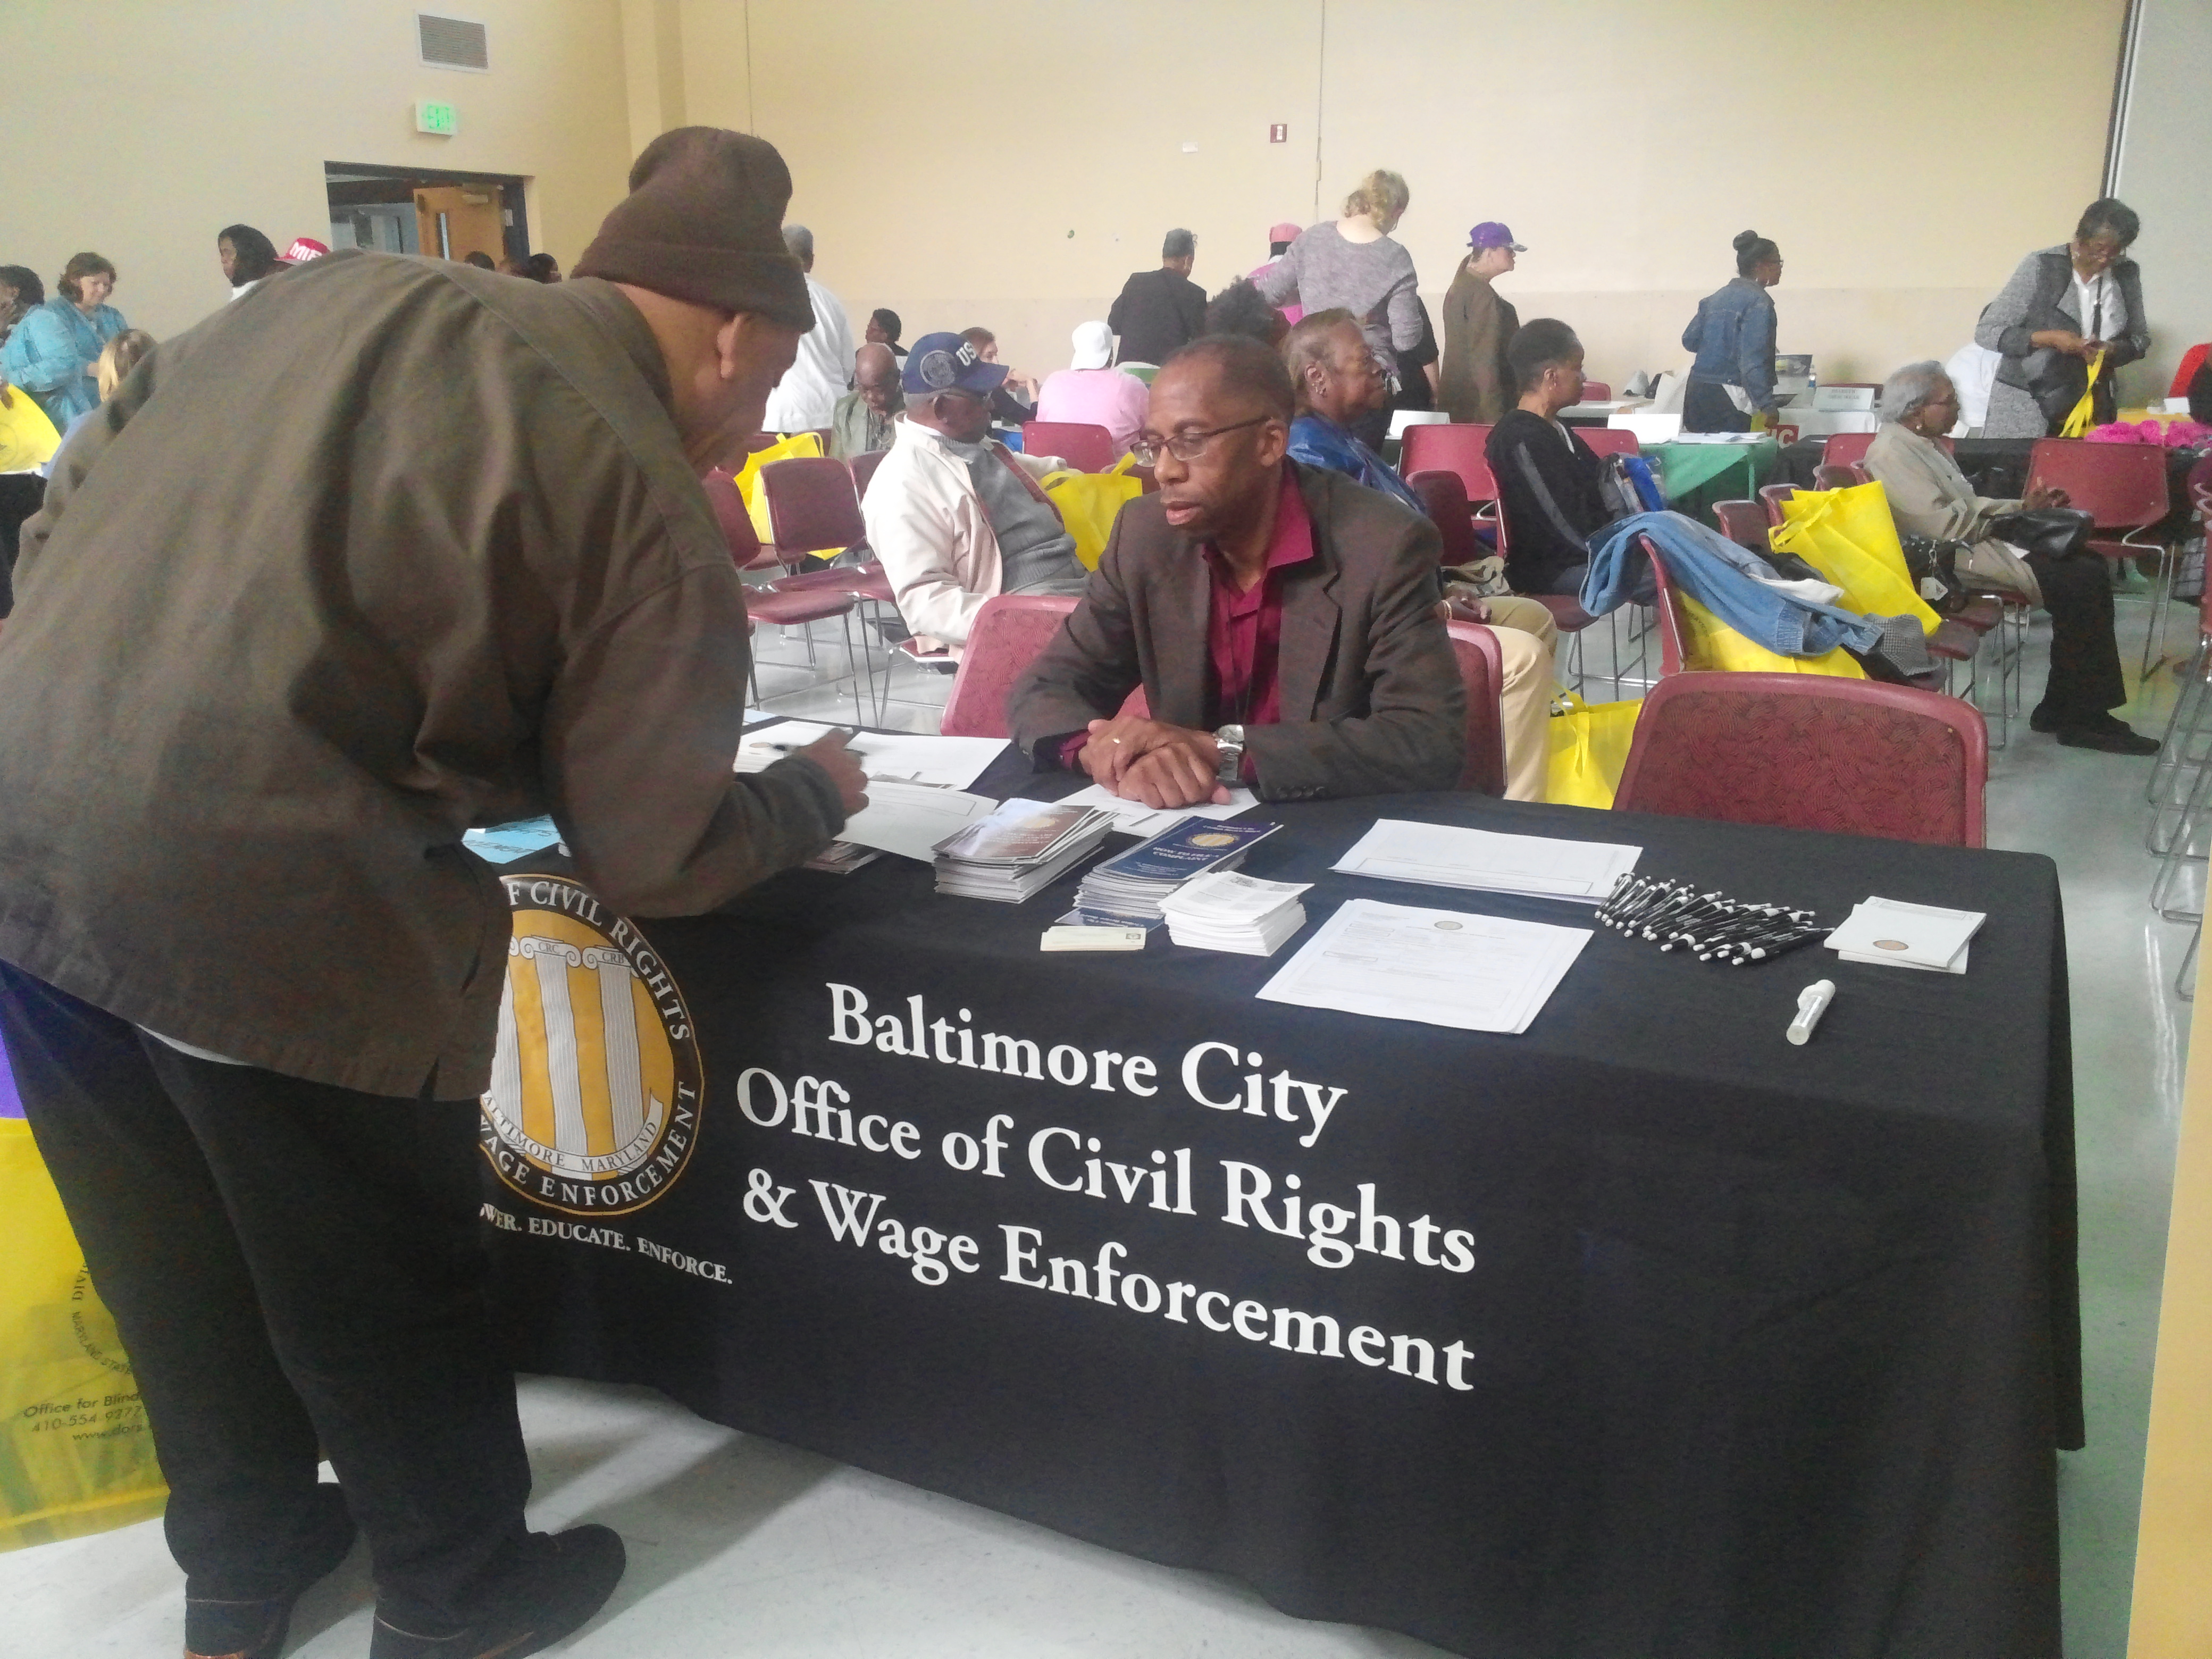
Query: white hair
[[1904, 392]]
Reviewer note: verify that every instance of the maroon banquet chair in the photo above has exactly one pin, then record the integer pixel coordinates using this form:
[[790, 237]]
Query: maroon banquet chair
[[1609, 440], [1482, 672], [1596, 391], [1444, 498], [2123, 485], [1086, 447], [864, 471], [1838, 477], [1807, 752], [1744, 523], [1771, 496], [1007, 634], [1845, 448], [736, 520], [811, 505]]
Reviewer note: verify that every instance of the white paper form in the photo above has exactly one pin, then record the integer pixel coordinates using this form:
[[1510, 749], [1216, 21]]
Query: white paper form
[[911, 818], [893, 756], [1134, 817], [1440, 967], [1446, 855]]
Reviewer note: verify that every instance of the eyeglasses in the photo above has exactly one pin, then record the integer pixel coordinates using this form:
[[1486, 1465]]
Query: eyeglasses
[[1184, 446]]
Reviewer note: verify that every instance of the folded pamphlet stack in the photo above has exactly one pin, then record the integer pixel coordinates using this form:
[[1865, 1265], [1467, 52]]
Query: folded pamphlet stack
[[1227, 911], [1022, 846]]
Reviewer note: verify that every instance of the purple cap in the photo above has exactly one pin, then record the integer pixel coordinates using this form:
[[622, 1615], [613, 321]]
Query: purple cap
[[1491, 234]]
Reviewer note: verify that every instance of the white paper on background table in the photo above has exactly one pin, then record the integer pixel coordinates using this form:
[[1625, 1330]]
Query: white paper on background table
[[1893, 933], [911, 818], [1440, 967], [893, 756], [1480, 860], [1134, 817]]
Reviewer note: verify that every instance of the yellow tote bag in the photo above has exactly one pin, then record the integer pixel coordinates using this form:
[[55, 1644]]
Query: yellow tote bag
[[2085, 412], [27, 438], [747, 479], [1709, 645], [1089, 502], [1588, 748], [1850, 537], [75, 1455]]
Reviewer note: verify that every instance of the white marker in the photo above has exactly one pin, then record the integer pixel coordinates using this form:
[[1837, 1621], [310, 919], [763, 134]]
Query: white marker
[[1812, 1002]]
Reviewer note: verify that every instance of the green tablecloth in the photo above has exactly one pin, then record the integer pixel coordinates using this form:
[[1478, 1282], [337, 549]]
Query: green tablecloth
[[1698, 475]]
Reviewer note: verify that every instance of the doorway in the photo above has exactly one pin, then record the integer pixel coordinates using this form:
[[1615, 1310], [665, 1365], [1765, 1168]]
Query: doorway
[[447, 215]]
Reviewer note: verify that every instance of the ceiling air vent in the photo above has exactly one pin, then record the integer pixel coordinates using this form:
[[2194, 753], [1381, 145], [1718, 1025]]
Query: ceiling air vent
[[452, 42]]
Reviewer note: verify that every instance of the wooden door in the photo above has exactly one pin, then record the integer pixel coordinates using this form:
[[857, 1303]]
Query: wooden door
[[471, 221]]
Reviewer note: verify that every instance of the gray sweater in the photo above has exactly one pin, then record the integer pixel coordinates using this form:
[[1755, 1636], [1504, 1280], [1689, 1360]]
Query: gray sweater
[[1373, 281]]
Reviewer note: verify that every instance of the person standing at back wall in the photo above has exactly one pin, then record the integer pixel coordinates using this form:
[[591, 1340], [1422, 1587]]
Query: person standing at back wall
[[1733, 335], [1355, 263], [1159, 313]]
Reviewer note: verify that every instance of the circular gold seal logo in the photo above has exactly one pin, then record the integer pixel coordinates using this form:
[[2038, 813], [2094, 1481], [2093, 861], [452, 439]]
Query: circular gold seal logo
[[1213, 838], [593, 1107]]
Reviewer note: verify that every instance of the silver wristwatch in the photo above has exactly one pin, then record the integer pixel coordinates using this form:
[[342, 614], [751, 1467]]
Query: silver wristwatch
[[1230, 741]]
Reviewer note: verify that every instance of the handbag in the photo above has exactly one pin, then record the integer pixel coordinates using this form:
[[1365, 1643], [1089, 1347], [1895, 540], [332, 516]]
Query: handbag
[[2052, 531], [2084, 414]]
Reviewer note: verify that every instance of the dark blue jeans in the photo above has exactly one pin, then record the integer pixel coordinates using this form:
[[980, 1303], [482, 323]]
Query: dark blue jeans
[[1706, 408]]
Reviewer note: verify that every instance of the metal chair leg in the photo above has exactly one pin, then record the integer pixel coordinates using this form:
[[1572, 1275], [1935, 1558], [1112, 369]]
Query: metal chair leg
[[2188, 970]]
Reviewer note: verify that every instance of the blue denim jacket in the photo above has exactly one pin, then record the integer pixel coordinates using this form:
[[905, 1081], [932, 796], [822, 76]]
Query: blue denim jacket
[[1717, 574], [1319, 442], [50, 350], [1733, 335]]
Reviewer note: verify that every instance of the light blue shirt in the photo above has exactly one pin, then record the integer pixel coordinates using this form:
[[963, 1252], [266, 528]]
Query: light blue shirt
[[50, 351]]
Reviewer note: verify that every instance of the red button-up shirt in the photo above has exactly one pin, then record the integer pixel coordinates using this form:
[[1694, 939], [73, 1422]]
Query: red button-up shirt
[[1244, 629]]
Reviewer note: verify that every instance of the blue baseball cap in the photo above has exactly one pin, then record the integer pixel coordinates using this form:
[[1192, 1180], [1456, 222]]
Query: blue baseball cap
[[946, 362]]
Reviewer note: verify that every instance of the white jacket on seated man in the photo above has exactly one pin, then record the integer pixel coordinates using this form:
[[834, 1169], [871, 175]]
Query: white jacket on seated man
[[954, 515]]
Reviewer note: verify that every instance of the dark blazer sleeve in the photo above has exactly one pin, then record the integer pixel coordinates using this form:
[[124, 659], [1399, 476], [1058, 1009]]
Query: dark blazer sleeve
[[1395, 708], [1089, 667], [1193, 311], [1119, 314]]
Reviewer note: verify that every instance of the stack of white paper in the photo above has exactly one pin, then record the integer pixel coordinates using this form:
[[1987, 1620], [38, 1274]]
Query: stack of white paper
[[1134, 817], [1440, 967], [1443, 855], [1231, 911], [892, 757], [911, 818], [1901, 935]]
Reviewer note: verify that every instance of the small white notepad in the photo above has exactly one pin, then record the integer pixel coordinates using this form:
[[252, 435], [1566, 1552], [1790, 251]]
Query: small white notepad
[[1901, 935]]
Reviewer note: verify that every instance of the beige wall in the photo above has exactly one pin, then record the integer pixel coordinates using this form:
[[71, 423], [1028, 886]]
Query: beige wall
[[193, 114], [1008, 162]]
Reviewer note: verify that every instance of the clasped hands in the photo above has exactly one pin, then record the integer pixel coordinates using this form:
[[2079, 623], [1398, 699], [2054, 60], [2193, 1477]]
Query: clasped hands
[[1152, 762]]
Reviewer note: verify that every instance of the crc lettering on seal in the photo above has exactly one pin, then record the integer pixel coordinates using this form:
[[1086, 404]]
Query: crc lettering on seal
[[593, 1107]]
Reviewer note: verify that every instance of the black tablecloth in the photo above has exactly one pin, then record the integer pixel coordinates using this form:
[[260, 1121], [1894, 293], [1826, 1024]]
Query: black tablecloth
[[1730, 1348]]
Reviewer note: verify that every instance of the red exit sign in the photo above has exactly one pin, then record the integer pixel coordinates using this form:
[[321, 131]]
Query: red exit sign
[[1279, 133]]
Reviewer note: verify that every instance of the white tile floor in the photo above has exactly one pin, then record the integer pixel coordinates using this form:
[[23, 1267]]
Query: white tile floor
[[745, 1547]]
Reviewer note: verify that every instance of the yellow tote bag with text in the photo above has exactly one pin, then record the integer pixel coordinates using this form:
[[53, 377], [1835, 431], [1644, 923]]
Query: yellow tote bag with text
[[27, 438], [75, 1455], [1089, 502], [1709, 645], [747, 479], [2085, 412], [1588, 748], [1850, 537]]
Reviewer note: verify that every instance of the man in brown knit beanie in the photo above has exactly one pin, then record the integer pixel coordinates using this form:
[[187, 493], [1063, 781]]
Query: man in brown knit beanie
[[397, 547]]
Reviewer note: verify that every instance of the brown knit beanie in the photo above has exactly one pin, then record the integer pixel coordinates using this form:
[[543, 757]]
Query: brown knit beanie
[[704, 222]]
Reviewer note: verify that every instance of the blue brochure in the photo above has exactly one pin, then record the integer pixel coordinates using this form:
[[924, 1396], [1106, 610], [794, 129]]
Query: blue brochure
[[503, 843], [1190, 849]]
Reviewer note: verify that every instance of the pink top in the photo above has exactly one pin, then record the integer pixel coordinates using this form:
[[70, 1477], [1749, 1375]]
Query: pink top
[[1292, 311], [1096, 397]]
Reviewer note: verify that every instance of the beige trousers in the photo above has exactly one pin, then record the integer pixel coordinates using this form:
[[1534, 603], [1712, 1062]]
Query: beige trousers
[[1525, 636]]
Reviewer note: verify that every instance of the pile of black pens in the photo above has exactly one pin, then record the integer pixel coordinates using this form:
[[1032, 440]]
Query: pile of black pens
[[1711, 926]]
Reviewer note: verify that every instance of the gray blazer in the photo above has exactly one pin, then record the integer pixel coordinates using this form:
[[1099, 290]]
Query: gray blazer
[[1372, 702], [2040, 296]]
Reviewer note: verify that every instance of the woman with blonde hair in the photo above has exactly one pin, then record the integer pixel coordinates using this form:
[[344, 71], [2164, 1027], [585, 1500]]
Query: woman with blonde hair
[[1354, 262], [116, 359]]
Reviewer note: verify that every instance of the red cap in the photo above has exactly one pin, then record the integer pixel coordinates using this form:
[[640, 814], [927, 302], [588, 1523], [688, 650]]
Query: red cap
[[1285, 232], [303, 249]]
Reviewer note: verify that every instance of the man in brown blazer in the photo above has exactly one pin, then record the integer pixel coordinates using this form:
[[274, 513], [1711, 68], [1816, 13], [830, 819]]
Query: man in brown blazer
[[1281, 619]]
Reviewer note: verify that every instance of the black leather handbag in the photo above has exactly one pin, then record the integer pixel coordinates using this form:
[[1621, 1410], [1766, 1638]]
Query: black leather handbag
[[2053, 531]]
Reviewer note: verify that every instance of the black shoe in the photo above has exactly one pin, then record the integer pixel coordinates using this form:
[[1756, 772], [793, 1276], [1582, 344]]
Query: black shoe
[[2040, 719], [257, 1629], [564, 1580], [2113, 737]]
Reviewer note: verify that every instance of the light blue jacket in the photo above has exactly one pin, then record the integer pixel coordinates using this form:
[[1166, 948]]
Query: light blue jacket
[[1733, 335], [1719, 575], [50, 350]]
